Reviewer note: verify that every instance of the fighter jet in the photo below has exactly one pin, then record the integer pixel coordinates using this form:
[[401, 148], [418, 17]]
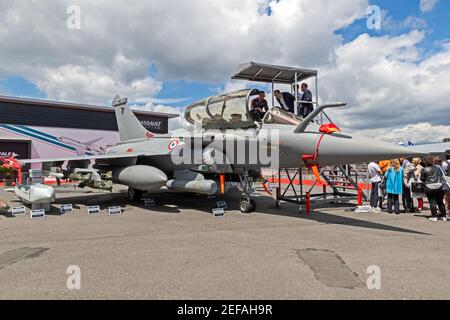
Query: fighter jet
[[225, 148]]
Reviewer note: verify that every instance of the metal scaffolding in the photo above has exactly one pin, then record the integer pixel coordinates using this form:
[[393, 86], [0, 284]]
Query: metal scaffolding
[[340, 184]]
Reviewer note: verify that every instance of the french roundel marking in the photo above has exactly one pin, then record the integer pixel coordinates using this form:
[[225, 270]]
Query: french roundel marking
[[173, 144]]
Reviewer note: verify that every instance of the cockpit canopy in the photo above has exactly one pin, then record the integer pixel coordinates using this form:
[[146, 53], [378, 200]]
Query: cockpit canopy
[[231, 111], [223, 111]]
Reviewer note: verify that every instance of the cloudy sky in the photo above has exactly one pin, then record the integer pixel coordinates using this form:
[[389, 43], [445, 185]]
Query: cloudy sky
[[394, 71]]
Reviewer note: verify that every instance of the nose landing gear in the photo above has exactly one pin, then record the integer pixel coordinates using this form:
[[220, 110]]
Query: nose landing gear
[[246, 204]]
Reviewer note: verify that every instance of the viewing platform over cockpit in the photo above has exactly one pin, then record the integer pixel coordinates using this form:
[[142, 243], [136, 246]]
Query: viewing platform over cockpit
[[234, 110]]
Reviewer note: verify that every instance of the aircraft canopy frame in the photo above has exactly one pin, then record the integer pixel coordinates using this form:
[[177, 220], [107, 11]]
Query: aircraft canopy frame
[[223, 111]]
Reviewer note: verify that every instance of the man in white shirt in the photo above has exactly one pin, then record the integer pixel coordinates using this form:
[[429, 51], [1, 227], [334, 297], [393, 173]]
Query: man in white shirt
[[375, 178]]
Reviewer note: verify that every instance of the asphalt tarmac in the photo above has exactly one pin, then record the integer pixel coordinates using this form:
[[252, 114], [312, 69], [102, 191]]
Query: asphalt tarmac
[[179, 250]]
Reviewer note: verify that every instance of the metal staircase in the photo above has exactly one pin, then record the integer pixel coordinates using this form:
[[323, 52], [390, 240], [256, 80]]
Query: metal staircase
[[345, 179], [344, 184]]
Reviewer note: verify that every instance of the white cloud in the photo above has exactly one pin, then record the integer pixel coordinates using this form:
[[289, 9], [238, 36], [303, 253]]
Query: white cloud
[[387, 85], [390, 25], [415, 23], [423, 132], [169, 100], [231, 86], [193, 40], [428, 5], [386, 80], [92, 84]]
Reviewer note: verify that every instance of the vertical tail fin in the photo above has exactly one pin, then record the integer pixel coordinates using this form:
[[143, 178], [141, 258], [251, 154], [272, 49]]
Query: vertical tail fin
[[130, 128]]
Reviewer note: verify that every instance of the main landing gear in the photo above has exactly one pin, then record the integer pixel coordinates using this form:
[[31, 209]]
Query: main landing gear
[[246, 204]]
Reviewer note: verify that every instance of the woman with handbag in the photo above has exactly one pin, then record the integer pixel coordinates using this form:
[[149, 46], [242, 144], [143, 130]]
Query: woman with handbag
[[408, 178], [433, 179], [417, 164], [443, 165], [394, 186]]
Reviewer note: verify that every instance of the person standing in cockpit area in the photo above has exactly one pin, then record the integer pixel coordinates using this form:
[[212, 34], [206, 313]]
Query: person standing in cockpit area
[[259, 107], [285, 99], [305, 95]]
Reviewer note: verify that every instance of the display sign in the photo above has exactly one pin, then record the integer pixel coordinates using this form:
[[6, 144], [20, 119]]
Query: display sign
[[149, 202], [218, 212], [155, 126], [18, 211], [222, 205], [66, 208], [14, 148], [37, 214], [20, 149], [93, 210], [113, 211]]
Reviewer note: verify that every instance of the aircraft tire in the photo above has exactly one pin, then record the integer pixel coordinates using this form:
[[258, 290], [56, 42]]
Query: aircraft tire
[[134, 194], [247, 206]]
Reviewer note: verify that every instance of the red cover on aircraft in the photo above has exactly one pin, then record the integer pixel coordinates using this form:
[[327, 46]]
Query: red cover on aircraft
[[329, 128]]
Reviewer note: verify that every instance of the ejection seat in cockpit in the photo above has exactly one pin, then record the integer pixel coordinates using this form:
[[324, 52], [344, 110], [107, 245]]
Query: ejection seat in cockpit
[[279, 116]]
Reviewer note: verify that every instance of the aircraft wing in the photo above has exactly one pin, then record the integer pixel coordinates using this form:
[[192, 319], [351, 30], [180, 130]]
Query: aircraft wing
[[95, 157]]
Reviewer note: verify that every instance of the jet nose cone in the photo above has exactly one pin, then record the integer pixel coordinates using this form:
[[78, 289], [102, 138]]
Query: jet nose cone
[[338, 149]]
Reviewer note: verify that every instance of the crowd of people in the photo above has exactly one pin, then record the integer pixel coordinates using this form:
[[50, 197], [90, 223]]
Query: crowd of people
[[413, 180], [286, 100]]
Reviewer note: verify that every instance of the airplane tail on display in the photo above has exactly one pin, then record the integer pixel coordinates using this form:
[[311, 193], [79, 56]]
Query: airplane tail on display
[[130, 128]]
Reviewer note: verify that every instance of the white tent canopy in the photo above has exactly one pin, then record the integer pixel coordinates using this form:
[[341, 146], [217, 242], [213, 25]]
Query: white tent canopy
[[259, 72]]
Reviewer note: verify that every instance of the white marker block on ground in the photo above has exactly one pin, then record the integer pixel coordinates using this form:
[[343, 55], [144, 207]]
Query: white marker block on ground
[[113, 211], [37, 214], [93, 210], [66, 208], [18, 211], [218, 212]]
